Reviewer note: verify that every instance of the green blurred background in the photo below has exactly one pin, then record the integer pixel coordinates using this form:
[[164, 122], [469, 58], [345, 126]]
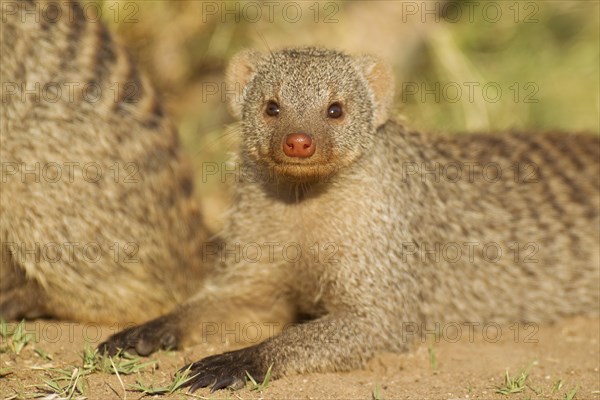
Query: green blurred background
[[459, 66]]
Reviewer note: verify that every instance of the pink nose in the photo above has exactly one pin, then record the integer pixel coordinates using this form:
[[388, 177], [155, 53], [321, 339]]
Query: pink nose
[[299, 145]]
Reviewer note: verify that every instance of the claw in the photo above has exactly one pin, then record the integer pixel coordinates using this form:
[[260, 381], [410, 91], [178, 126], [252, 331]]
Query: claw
[[202, 382], [222, 383], [109, 349], [222, 371], [188, 367]]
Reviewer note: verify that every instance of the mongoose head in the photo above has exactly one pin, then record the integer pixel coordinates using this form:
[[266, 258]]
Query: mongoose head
[[308, 112]]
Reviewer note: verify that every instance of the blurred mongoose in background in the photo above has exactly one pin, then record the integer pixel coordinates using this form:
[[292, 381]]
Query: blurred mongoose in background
[[97, 216], [380, 244]]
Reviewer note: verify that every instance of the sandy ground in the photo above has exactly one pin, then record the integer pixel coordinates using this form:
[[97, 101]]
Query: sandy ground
[[473, 367]]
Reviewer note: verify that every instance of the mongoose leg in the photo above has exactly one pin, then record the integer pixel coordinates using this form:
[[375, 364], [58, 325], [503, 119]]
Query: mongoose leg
[[331, 343], [212, 316], [161, 333]]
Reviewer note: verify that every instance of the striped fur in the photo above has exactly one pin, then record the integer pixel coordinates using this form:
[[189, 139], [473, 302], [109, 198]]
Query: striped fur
[[141, 214]]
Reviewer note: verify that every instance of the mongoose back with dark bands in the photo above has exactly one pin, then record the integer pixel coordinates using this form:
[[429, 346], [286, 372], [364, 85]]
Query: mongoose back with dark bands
[[516, 234], [97, 217]]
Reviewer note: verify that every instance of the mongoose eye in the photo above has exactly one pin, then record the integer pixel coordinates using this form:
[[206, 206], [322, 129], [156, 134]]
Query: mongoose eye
[[272, 109], [334, 110]]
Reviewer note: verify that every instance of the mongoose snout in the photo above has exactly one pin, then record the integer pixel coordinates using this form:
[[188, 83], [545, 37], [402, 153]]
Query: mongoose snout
[[299, 145]]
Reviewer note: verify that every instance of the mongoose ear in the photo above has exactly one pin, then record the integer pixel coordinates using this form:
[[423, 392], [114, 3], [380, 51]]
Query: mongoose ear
[[240, 71], [378, 74]]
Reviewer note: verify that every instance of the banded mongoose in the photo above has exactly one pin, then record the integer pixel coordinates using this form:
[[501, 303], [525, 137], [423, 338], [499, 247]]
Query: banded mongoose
[[333, 171], [98, 220]]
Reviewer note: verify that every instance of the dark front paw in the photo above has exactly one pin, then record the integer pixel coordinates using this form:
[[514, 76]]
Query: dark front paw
[[227, 370], [158, 334]]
